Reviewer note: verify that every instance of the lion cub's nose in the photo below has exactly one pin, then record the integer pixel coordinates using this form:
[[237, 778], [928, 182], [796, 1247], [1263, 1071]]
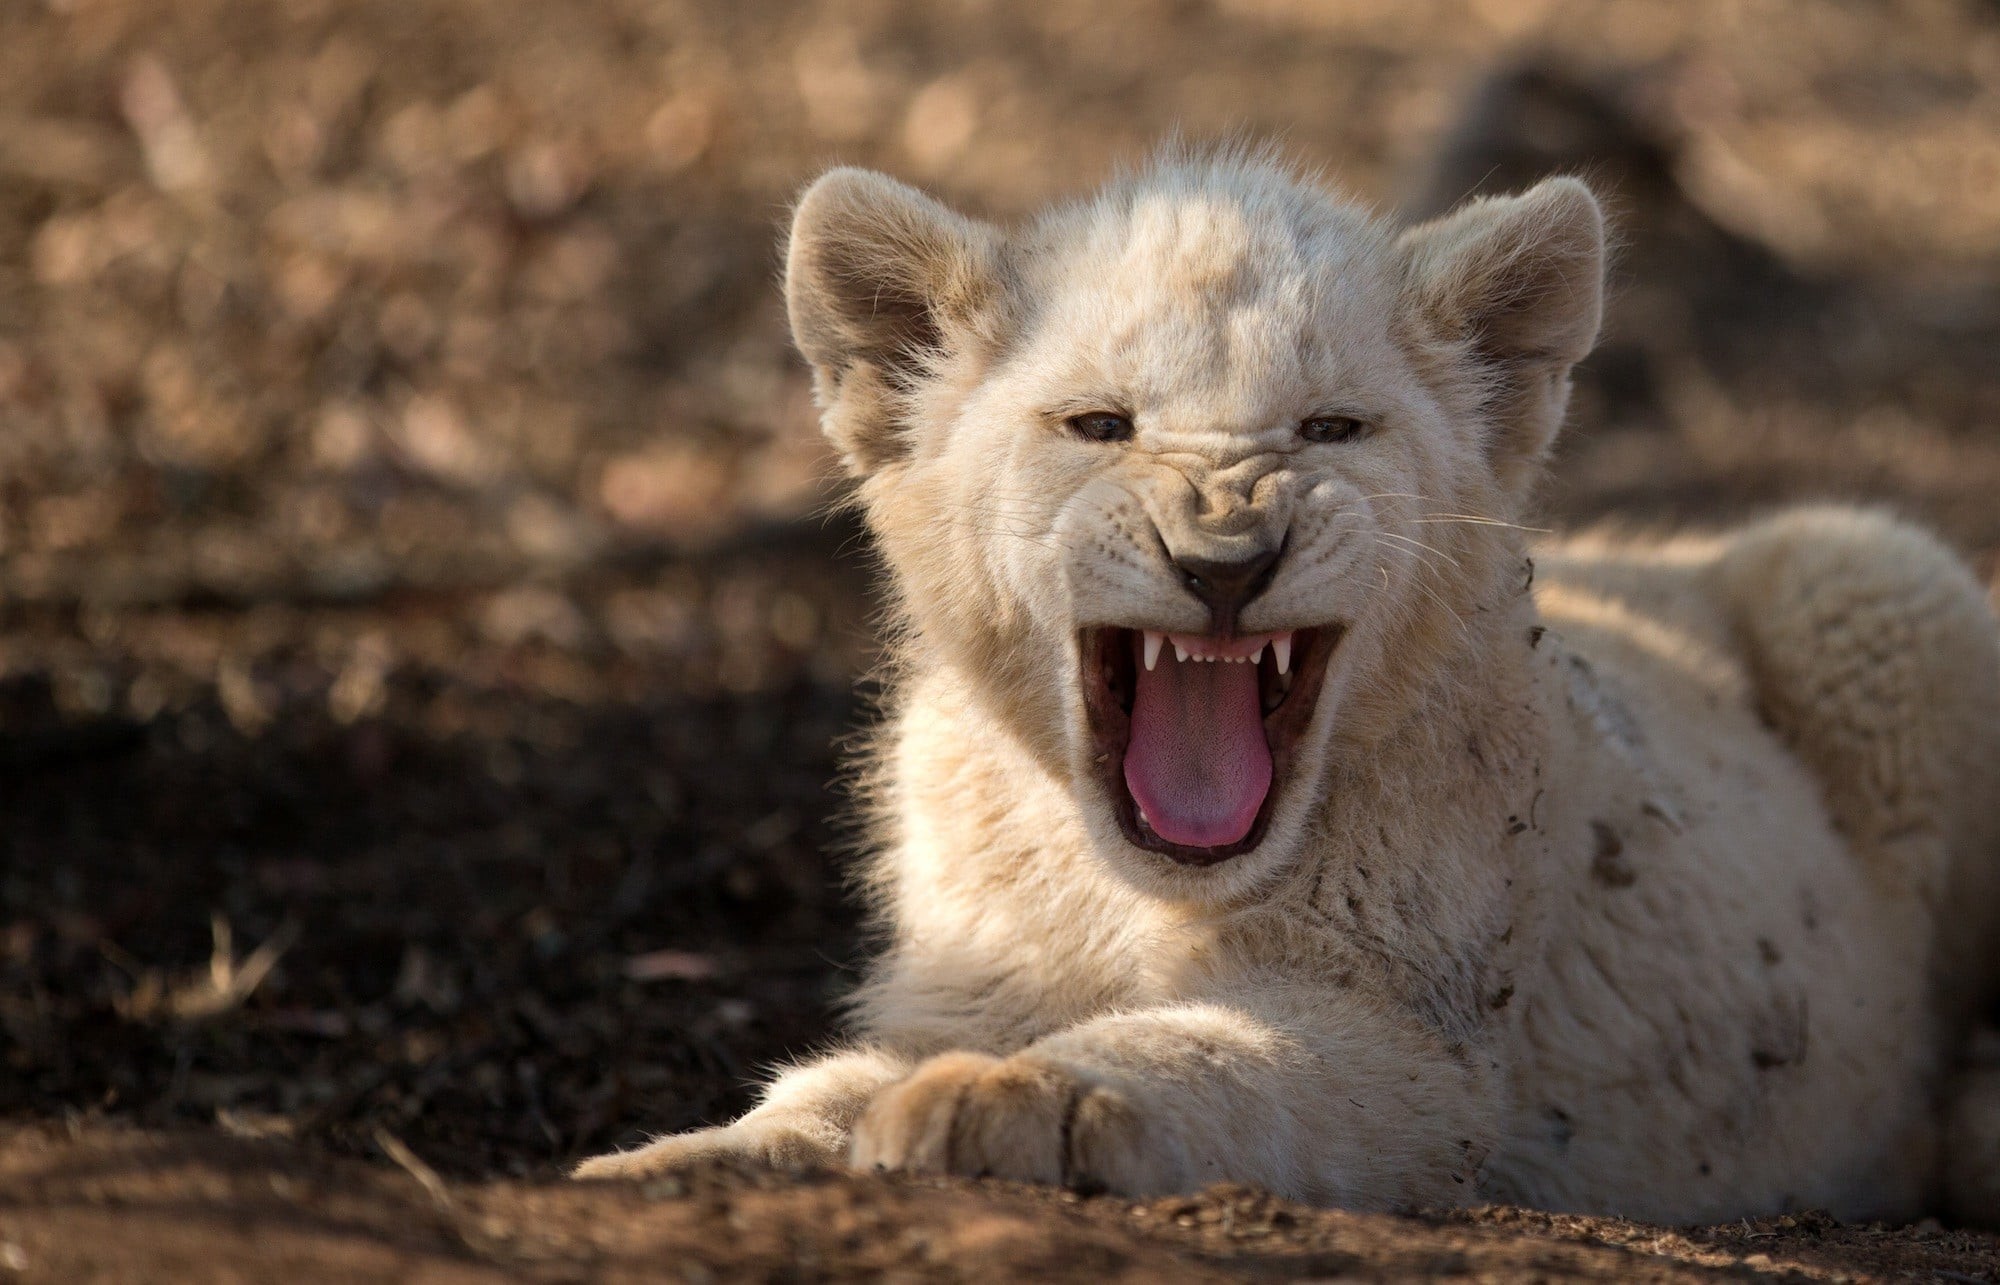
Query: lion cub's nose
[[1227, 587]]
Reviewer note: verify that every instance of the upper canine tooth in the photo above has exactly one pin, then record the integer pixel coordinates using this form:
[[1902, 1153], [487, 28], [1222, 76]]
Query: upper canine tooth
[[1281, 651], [1153, 641]]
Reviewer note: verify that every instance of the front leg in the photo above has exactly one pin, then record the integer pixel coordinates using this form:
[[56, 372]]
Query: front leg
[[1353, 1108], [804, 1119]]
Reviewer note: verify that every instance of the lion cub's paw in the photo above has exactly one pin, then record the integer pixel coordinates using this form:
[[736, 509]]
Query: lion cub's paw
[[1021, 1118], [769, 1143]]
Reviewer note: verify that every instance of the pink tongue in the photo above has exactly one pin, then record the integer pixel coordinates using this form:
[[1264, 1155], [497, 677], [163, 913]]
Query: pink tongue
[[1197, 764]]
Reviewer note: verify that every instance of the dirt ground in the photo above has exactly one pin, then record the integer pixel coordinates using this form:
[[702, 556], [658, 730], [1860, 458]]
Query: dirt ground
[[424, 657]]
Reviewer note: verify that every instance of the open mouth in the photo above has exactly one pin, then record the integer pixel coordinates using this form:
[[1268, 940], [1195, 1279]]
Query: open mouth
[[1194, 734]]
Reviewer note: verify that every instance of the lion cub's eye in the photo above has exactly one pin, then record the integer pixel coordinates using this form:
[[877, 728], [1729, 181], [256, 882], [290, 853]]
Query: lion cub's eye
[[1332, 428], [1101, 426]]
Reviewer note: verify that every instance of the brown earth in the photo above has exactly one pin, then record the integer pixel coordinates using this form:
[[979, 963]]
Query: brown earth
[[421, 657], [99, 1202]]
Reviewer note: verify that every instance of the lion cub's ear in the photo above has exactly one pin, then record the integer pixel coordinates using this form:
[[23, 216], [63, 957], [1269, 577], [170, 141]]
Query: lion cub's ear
[[880, 280], [1521, 280]]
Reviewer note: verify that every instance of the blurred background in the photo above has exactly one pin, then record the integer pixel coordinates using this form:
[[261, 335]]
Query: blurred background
[[423, 651]]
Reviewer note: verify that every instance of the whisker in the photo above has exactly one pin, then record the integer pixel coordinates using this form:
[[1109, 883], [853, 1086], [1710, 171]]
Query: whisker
[[1471, 519], [1444, 516], [1422, 587], [1391, 535], [1463, 631]]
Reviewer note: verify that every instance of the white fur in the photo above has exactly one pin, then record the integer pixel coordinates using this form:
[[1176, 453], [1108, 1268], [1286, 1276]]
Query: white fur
[[1664, 888]]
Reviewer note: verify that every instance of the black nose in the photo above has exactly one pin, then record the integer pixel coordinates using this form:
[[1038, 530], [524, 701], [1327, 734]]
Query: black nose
[[1227, 587]]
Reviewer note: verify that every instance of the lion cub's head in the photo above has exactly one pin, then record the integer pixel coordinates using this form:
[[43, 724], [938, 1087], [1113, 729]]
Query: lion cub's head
[[1193, 482]]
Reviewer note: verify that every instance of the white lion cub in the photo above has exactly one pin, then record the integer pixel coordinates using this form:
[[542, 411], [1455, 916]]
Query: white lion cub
[[1253, 808]]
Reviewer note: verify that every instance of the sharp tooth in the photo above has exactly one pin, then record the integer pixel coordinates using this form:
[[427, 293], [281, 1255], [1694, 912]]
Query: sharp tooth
[[1281, 651], [1257, 657], [1153, 642], [1180, 653]]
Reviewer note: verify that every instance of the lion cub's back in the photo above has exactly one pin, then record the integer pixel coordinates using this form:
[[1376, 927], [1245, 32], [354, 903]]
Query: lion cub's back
[[1862, 643], [1877, 658], [1791, 729]]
